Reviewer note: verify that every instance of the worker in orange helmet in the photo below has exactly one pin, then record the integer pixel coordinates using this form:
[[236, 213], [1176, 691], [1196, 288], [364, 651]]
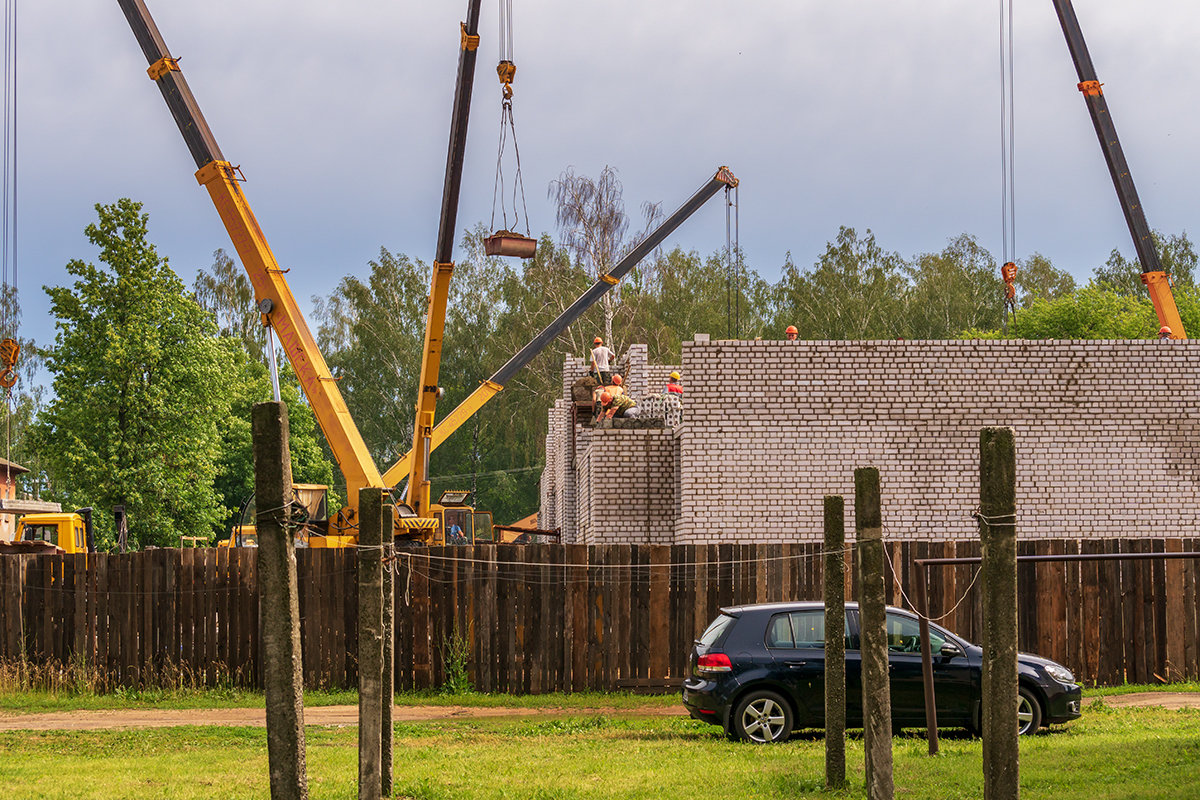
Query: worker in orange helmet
[[616, 405], [1164, 332], [601, 356], [673, 386], [791, 333]]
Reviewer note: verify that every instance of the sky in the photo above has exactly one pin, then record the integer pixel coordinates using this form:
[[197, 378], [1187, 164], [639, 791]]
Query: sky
[[879, 114]]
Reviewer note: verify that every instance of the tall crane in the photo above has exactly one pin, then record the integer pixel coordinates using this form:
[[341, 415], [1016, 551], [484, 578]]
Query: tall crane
[[223, 182], [1157, 281]]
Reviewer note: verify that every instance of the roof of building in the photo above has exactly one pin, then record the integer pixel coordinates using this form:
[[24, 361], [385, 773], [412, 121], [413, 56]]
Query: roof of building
[[12, 466]]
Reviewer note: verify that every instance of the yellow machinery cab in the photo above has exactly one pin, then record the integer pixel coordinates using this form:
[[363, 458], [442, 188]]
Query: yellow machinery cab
[[59, 532], [310, 508], [459, 523]]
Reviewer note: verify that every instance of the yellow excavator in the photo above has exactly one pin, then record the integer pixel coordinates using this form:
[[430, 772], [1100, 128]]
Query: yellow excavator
[[417, 519]]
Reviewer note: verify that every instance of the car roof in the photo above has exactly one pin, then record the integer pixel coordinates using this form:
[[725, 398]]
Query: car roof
[[795, 605]]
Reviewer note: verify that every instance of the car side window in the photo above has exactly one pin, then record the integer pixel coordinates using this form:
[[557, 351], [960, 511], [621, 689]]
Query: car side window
[[904, 635], [802, 629], [779, 632]]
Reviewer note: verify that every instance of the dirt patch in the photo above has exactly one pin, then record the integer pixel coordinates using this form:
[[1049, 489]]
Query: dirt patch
[[319, 715], [1169, 700]]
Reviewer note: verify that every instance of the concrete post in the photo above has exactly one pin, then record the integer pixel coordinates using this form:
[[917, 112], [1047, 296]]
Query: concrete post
[[283, 676], [370, 644], [388, 698], [998, 532], [877, 694], [835, 643]]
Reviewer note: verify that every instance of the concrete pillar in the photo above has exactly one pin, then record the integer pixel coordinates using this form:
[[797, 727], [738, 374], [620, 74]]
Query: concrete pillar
[[370, 643], [388, 698], [877, 694], [279, 603], [835, 643], [998, 533]]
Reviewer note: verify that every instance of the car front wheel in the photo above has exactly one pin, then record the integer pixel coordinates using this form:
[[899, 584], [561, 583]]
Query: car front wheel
[[762, 718], [1029, 712]]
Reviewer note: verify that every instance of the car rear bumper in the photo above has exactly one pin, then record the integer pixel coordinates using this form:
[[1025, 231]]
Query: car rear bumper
[[700, 703]]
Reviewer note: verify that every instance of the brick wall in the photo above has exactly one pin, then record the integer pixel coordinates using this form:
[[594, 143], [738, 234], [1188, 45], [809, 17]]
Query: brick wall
[[626, 486], [1106, 436]]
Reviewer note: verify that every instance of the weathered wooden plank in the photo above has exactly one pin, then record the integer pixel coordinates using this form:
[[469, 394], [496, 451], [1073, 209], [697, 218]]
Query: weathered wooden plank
[[1155, 610], [1074, 620], [1176, 625], [1112, 631]]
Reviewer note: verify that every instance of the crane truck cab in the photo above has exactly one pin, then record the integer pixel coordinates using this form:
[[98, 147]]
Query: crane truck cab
[[310, 508], [65, 532]]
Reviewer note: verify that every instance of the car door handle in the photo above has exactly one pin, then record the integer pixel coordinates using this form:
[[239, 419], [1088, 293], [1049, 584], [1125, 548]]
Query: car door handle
[[796, 664]]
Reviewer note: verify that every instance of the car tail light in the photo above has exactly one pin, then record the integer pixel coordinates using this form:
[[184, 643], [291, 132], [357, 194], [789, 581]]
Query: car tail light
[[714, 662]]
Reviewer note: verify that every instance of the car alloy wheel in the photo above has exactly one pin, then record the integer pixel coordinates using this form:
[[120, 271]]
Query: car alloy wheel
[[1029, 712], [763, 718]]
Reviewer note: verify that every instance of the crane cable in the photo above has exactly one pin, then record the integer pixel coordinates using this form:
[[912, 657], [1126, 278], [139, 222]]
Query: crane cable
[[733, 272], [1008, 212], [506, 70], [10, 348]]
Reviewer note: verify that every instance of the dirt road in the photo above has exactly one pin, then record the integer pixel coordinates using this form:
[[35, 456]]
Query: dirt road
[[319, 715], [348, 715]]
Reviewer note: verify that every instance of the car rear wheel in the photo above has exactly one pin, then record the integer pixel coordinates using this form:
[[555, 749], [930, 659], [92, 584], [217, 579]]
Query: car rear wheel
[[762, 718], [1029, 712]]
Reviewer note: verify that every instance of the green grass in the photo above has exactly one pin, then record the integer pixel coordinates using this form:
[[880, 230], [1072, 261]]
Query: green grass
[[1111, 753]]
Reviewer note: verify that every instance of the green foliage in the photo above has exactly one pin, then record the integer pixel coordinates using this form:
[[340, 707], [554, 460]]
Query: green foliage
[[854, 291], [139, 376], [225, 292], [953, 290], [1124, 275], [1038, 279]]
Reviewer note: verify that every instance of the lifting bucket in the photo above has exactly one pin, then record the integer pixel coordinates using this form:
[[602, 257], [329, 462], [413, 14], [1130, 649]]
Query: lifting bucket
[[507, 243]]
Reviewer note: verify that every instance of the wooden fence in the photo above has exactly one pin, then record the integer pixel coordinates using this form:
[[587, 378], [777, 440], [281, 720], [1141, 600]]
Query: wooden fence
[[541, 618]]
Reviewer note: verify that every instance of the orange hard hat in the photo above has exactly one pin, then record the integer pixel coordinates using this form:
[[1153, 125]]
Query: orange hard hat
[[791, 329], [617, 380], [1164, 329], [605, 398], [597, 340]]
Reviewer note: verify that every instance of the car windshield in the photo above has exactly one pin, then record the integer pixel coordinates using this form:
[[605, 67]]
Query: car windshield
[[714, 630]]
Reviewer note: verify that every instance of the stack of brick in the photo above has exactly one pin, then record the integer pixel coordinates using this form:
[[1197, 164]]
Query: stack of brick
[[1106, 436]]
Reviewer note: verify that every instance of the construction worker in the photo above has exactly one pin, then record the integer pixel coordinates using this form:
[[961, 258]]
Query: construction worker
[[791, 333], [673, 386], [621, 405], [601, 356], [1164, 332]]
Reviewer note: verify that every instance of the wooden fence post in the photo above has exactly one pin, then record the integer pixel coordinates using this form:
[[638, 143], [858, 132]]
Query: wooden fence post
[[282, 667], [388, 698], [877, 694], [998, 533], [835, 642]]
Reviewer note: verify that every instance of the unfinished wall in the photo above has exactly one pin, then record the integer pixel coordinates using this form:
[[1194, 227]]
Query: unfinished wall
[[626, 486], [1106, 436]]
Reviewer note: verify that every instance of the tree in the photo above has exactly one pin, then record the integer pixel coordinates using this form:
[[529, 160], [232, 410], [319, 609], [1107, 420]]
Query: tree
[[591, 217], [139, 376], [952, 291], [371, 333], [1038, 279], [25, 401], [854, 291], [1093, 312], [226, 293], [1124, 275]]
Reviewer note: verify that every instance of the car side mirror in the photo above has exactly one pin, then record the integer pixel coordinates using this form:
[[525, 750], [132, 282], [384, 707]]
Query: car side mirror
[[950, 650]]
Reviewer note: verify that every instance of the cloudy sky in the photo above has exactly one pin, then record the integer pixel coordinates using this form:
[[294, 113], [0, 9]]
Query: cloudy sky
[[880, 114]]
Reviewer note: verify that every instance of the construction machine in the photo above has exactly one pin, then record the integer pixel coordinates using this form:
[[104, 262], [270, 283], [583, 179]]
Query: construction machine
[[53, 532], [417, 519], [1156, 279]]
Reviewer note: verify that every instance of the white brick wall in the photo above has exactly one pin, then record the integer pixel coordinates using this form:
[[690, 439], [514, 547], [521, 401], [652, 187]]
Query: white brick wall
[[1106, 442], [1106, 436]]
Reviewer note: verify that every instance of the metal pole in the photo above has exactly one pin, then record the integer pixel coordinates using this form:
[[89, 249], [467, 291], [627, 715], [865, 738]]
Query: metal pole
[[922, 609]]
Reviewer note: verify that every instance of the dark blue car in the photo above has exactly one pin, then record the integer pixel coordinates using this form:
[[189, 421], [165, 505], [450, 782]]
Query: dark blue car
[[759, 672]]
